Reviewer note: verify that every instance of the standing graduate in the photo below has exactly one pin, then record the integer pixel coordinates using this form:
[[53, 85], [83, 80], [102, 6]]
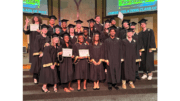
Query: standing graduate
[[78, 29], [56, 33], [97, 25], [81, 63], [97, 58], [66, 66], [147, 48], [87, 38], [52, 19], [125, 26], [113, 57], [91, 26], [73, 37], [48, 73], [32, 34], [64, 26], [40, 42], [135, 37], [105, 33], [113, 22], [131, 56]]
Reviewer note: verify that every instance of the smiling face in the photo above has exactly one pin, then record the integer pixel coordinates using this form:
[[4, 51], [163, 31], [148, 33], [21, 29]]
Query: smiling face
[[35, 19], [66, 39], [143, 25], [81, 39], [44, 30], [78, 25], [129, 34], [125, 24], [112, 32], [113, 22], [98, 19], [96, 37], [52, 21], [107, 25], [85, 32], [55, 40], [71, 30], [57, 30], [91, 24], [64, 25]]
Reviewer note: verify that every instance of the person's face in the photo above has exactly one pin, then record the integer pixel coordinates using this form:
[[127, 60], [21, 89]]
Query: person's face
[[85, 32], [78, 25], [66, 39], [129, 34], [96, 37], [55, 40], [113, 22], [57, 30], [107, 25], [81, 39], [52, 21], [133, 27], [112, 32], [35, 19], [71, 30], [125, 24], [44, 30], [98, 19], [91, 24], [143, 25], [64, 24]]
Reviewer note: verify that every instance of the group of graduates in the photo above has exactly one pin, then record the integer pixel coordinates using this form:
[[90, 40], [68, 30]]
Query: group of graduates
[[118, 52]]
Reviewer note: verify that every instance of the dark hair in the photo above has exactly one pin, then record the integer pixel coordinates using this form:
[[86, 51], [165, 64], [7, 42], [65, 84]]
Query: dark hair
[[97, 16], [39, 19], [94, 40]]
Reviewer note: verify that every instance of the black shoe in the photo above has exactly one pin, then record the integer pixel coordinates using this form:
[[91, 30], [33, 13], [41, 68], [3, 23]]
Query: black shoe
[[84, 89], [110, 88], [94, 88], [79, 90], [97, 88], [116, 87], [138, 78]]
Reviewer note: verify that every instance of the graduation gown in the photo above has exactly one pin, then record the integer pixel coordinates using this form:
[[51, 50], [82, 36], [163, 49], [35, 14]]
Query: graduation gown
[[73, 39], [88, 39], [98, 27], [50, 31], [97, 54], [91, 32], [113, 54], [32, 36], [131, 55], [122, 33], [81, 65], [62, 32], [39, 45], [48, 75], [76, 32], [147, 42], [66, 67], [103, 36]]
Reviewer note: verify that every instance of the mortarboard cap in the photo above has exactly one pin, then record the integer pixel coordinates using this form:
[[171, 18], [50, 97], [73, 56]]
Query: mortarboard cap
[[142, 21], [130, 30], [85, 28], [52, 17], [107, 21], [125, 20], [80, 34], [64, 20], [71, 26], [112, 27], [78, 21], [44, 26], [55, 35], [91, 20], [65, 34], [132, 23]]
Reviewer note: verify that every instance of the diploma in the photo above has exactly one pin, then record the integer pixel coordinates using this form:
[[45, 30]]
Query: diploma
[[83, 52], [34, 27], [120, 15], [67, 52]]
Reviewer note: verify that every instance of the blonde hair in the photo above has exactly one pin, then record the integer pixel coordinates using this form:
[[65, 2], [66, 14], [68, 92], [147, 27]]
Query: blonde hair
[[52, 42]]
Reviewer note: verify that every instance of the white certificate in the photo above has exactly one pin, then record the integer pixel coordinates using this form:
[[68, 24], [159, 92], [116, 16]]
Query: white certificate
[[67, 52], [34, 27], [83, 52], [120, 15]]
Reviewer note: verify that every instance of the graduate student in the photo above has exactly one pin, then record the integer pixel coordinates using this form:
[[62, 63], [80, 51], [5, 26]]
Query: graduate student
[[78, 29], [63, 26], [73, 37], [97, 25], [125, 26], [105, 33], [57, 30], [66, 66], [91, 26], [32, 34], [40, 42], [148, 46], [48, 73], [87, 38], [113, 58], [131, 56], [52, 19], [97, 58], [81, 63], [135, 37], [113, 23]]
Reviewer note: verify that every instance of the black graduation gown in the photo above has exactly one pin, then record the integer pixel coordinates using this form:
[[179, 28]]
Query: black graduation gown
[[50, 31], [147, 42], [32, 36], [92, 32], [73, 40], [66, 67], [113, 53], [62, 32], [82, 65], [48, 75], [97, 54], [103, 36], [98, 27], [122, 33], [88, 39], [39, 44], [130, 54]]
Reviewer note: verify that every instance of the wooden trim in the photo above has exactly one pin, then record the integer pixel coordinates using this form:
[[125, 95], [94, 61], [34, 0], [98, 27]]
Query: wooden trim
[[51, 7], [59, 10], [102, 11], [95, 7]]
